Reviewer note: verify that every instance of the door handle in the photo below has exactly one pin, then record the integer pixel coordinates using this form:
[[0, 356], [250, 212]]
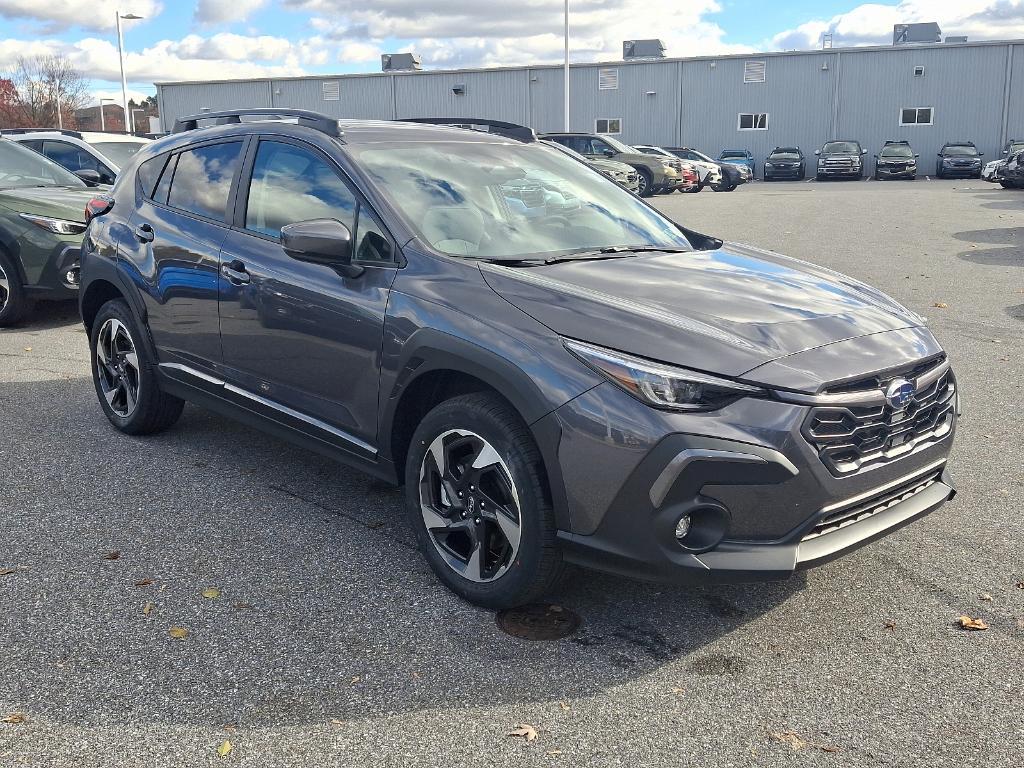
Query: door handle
[[235, 272], [144, 233]]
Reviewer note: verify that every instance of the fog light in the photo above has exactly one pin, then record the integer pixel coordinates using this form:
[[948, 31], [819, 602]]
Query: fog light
[[683, 527], [71, 276]]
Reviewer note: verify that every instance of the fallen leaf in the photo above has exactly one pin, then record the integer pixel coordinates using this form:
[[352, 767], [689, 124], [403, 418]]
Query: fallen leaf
[[163, 587], [415, 675], [211, 592], [985, 596], [28, 349], [830, 748], [565, 707], [677, 690], [524, 731], [230, 726], [143, 582], [225, 748], [336, 721], [553, 752], [792, 738], [178, 633], [147, 608], [966, 622], [890, 625], [356, 679], [1020, 585], [940, 305], [242, 606], [15, 718], [7, 571], [115, 555]]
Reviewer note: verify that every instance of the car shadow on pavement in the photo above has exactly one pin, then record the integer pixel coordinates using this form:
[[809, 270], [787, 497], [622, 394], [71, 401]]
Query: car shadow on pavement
[[46, 315], [323, 609], [996, 198], [1011, 255]]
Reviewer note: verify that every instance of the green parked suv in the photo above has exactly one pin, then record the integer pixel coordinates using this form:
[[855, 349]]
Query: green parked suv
[[42, 219]]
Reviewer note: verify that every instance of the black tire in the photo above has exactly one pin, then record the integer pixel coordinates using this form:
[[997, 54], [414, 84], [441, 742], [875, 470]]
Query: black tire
[[645, 182], [14, 301], [818, 177], [1007, 184], [154, 410], [537, 563]]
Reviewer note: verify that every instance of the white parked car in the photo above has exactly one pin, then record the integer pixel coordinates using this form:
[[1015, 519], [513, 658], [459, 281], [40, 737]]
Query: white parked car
[[709, 172], [991, 170], [102, 153]]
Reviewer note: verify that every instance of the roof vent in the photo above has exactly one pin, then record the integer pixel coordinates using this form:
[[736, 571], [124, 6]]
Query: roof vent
[[398, 62], [643, 49]]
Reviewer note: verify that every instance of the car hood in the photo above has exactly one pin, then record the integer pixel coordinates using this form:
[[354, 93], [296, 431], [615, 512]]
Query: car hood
[[59, 202], [726, 311], [639, 158], [611, 165]]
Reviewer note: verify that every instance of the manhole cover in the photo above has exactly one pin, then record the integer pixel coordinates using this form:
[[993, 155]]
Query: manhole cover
[[538, 622]]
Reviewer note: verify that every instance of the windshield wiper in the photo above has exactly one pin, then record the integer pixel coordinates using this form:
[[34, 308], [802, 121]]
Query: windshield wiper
[[614, 252]]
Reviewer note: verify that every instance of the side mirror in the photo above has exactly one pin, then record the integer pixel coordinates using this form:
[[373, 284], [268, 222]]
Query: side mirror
[[817, 151], [89, 176], [981, 154], [608, 153], [321, 241], [916, 155], [863, 151], [876, 157]]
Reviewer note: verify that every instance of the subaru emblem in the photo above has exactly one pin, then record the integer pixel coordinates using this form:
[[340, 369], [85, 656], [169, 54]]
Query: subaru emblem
[[898, 393]]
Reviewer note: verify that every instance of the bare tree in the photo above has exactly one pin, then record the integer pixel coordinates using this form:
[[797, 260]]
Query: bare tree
[[49, 90]]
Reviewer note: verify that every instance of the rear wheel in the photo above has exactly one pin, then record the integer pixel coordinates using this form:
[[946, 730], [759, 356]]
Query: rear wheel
[[475, 494], [644, 183], [14, 302], [125, 377]]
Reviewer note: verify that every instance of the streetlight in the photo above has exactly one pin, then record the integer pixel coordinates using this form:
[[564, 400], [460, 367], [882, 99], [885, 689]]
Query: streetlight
[[120, 54], [103, 122], [566, 66]]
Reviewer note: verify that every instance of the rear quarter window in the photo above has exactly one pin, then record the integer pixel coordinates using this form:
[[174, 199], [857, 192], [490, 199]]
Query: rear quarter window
[[149, 174]]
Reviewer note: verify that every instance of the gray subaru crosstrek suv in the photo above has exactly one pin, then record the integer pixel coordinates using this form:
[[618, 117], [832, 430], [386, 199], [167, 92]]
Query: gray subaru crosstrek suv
[[559, 376]]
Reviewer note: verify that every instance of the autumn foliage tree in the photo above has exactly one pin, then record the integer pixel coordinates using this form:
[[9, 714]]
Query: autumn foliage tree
[[39, 88]]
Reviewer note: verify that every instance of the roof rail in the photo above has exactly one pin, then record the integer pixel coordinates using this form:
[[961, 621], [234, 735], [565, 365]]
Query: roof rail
[[304, 117], [497, 127], [62, 131]]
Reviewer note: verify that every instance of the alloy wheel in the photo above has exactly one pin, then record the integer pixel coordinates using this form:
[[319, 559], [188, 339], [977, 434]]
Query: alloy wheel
[[117, 367], [470, 506], [5, 289]]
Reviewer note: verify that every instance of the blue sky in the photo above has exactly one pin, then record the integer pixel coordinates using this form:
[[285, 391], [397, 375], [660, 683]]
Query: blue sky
[[216, 39]]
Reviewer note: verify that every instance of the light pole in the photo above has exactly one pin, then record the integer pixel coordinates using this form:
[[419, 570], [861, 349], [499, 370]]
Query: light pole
[[120, 55], [566, 66], [103, 122]]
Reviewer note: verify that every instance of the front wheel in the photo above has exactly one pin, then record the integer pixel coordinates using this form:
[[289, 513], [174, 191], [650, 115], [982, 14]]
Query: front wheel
[[125, 377], [14, 302], [644, 183], [475, 495]]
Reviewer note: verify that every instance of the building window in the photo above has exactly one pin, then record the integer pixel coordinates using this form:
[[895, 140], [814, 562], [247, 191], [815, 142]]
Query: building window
[[608, 125], [752, 121], [332, 90], [608, 79], [753, 71], [916, 116]]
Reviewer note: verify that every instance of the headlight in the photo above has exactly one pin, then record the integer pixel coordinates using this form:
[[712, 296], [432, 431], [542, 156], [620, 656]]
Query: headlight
[[659, 385], [57, 226]]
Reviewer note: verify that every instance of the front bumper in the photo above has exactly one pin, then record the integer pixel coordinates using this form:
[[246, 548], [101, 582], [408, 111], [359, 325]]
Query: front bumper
[[841, 173], [59, 277], [964, 172], [761, 501], [885, 172], [776, 172]]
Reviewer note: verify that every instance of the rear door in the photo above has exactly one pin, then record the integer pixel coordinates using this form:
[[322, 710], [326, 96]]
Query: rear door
[[304, 340], [174, 247]]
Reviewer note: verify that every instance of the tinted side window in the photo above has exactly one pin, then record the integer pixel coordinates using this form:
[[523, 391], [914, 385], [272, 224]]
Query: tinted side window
[[149, 172], [371, 242], [291, 184], [164, 185], [69, 156], [202, 179]]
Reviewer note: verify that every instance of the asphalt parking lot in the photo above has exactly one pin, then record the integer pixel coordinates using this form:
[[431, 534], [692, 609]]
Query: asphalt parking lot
[[331, 643]]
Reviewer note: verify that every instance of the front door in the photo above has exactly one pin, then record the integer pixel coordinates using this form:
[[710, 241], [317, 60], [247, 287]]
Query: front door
[[303, 337]]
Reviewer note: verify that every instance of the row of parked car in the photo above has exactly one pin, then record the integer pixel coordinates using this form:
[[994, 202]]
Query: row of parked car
[[1009, 171], [844, 159]]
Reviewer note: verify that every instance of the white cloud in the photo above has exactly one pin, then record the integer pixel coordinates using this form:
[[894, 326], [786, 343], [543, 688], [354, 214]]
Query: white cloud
[[455, 33], [221, 11], [872, 23], [54, 17], [233, 47]]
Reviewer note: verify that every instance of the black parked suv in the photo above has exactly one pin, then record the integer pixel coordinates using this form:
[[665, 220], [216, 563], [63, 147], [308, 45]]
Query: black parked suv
[[592, 384], [959, 159], [896, 160], [840, 159], [785, 163]]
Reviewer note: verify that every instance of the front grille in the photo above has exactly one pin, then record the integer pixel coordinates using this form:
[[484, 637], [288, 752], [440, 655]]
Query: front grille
[[852, 438], [839, 162], [862, 510]]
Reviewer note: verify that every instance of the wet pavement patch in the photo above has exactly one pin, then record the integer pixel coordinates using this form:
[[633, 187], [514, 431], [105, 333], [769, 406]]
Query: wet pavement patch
[[538, 622]]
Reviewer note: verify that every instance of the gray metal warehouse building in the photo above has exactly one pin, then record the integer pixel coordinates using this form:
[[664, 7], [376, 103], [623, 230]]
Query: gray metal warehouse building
[[928, 94]]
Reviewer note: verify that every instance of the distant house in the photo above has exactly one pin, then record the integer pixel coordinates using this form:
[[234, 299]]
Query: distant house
[[88, 119]]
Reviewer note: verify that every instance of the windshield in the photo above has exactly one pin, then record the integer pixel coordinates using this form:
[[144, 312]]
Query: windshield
[[509, 202], [836, 147], [617, 145], [1015, 147], [897, 150], [23, 167], [119, 151], [733, 153], [784, 154], [960, 150]]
